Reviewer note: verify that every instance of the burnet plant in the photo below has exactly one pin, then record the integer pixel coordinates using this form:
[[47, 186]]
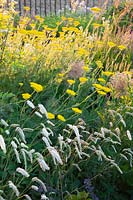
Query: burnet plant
[[37, 160]]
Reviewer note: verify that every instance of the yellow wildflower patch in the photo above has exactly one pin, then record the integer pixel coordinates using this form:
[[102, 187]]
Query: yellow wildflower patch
[[111, 44], [86, 68], [71, 81], [121, 47], [102, 80], [26, 96], [95, 9], [70, 92], [95, 25], [37, 87], [77, 110], [21, 84], [83, 79], [61, 118], [99, 64], [101, 92], [50, 115], [107, 73]]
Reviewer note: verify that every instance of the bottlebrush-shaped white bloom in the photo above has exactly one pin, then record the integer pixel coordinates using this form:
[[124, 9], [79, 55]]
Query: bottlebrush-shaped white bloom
[[35, 179], [38, 114], [7, 132], [43, 197], [30, 104], [2, 144], [27, 197], [13, 187], [4, 123], [14, 145], [34, 187], [55, 155], [42, 110], [21, 134], [76, 131], [43, 164], [46, 141], [23, 172], [129, 135]]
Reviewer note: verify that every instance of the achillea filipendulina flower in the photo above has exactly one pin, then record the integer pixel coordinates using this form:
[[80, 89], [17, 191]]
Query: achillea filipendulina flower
[[70, 92], [106, 89], [50, 115], [100, 87], [61, 74], [86, 68], [101, 92], [77, 110], [26, 96], [122, 47], [37, 87], [26, 8], [21, 84], [111, 44], [107, 73], [95, 9], [83, 79], [59, 80], [97, 86], [71, 81], [61, 118], [102, 80], [95, 25], [76, 23], [99, 64]]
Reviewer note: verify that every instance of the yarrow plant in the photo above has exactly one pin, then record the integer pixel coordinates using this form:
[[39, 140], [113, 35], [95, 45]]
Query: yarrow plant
[[66, 107]]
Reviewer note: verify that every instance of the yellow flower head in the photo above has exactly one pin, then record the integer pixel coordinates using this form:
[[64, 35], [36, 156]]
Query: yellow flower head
[[99, 64], [107, 73], [95, 25], [26, 96], [101, 92], [70, 81], [111, 44], [77, 110], [26, 8], [70, 92], [21, 84], [102, 80], [83, 79], [61, 74], [95, 9], [50, 115], [37, 87], [59, 80], [122, 47], [97, 86], [61, 118], [76, 23], [86, 69]]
